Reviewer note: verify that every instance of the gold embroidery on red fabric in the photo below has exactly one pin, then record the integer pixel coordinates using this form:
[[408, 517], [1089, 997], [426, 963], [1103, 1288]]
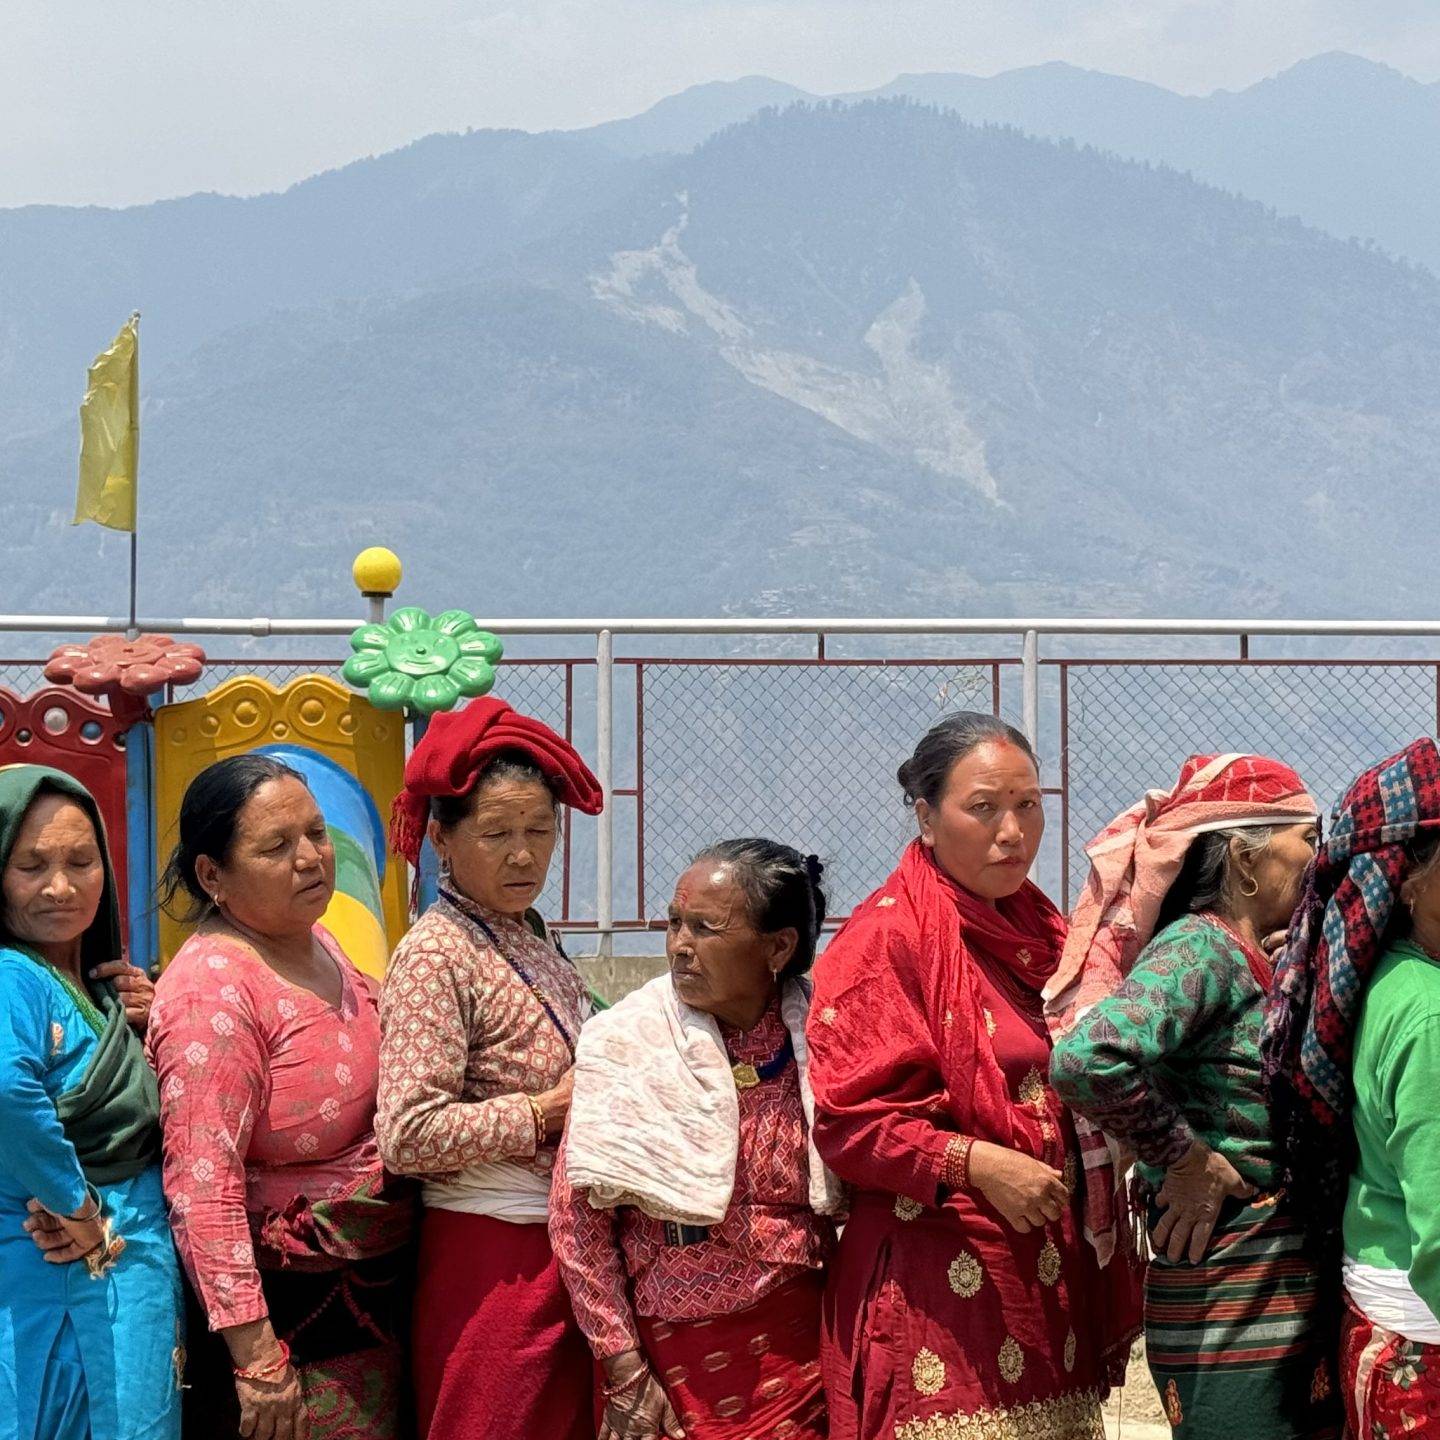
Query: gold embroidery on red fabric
[[927, 1373], [1068, 1177], [1067, 1417], [966, 1275], [908, 1209], [884, 902], [828, 1014], [716, 1360], [1032, 1089], [1012, 1360], [1048, 1265], [990, 1026], [729, 1407], [949, 1019], [1070, 1344]]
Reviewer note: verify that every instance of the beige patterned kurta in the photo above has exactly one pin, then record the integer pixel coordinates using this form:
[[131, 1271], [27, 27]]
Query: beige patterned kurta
[[464, 1040]]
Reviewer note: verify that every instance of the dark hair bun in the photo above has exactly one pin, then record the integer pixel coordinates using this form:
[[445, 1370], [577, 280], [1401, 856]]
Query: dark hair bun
[[782, 889], [923, 775]]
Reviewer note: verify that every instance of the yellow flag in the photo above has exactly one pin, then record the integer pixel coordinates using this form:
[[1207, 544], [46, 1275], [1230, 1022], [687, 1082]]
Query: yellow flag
[[110, 434]]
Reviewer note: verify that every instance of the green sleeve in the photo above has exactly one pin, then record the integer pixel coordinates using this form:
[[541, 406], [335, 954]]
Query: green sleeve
[[1413, 1147], [1104, 1067]]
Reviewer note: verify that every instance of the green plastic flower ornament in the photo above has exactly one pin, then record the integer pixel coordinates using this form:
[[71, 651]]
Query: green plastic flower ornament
[[413, 662]]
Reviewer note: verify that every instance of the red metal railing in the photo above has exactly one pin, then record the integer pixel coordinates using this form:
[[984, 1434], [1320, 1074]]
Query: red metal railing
[[806, 747]]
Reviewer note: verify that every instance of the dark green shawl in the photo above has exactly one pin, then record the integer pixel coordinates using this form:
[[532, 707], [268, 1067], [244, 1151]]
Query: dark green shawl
[[112, 1116]]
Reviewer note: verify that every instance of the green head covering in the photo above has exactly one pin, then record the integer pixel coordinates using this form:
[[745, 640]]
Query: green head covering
[[20, 787], [112, 1115]]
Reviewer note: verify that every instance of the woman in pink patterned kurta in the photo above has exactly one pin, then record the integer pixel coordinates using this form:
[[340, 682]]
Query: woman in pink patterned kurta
[[480, 1017], [266, 1042], [714, 1328]]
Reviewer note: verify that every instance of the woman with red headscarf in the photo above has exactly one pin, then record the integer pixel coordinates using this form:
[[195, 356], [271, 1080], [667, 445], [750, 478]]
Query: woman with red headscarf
[[479, 1020], [1159, 1000], [963, 1298]]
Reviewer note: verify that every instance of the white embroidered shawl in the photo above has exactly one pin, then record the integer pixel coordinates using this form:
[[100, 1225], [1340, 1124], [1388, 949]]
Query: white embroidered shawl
[[655, 1120]]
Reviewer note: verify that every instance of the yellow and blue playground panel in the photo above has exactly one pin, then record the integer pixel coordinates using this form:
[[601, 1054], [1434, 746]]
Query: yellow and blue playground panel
[[353, 758]]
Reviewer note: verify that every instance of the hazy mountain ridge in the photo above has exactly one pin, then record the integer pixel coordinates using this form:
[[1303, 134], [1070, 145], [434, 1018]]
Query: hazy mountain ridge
[[441, 209], [1337, 140], [840, 359]]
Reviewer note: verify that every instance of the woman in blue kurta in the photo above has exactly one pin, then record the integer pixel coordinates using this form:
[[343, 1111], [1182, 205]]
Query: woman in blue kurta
[[90, 1310]]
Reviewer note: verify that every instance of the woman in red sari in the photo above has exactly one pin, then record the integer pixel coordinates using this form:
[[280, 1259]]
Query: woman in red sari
[[964, 1299]]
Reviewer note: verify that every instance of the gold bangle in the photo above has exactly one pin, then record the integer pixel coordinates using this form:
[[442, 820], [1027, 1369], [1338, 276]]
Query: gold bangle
[[92, 1197], [539, 1115], [955, 1171]]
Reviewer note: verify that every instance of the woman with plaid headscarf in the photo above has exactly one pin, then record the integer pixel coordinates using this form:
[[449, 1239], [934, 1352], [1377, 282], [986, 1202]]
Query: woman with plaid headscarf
[[1352, 1053]]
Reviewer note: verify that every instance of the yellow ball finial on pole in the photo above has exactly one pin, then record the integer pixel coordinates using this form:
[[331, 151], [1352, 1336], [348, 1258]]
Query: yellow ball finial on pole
[[377, 573]]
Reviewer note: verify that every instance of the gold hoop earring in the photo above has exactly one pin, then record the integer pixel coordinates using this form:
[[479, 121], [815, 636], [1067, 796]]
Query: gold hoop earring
[[1254, 889]]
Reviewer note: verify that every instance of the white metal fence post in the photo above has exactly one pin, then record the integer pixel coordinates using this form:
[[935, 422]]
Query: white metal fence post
[[1030, 688], [604, 763]]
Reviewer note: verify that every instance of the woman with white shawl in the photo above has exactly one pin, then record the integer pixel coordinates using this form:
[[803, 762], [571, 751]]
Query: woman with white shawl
[[690, 1214]]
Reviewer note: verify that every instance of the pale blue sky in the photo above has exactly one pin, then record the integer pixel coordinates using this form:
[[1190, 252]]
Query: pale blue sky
[[119, 101]]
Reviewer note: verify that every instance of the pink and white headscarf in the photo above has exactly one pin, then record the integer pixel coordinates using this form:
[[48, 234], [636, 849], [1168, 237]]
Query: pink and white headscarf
[[1134, 861]]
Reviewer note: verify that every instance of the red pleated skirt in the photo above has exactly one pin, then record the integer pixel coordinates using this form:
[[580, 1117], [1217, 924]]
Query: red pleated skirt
[[754, 1375], [496, 1353]]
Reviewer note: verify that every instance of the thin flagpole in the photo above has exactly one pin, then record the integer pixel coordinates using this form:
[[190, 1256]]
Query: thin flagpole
[[135, 532], [134, 576]]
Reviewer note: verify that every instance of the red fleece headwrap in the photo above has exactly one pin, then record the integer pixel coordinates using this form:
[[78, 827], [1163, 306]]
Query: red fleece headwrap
[[460, 744]]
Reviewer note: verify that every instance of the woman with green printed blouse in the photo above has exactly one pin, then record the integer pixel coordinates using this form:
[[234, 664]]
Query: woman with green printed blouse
[[1162, 1054]]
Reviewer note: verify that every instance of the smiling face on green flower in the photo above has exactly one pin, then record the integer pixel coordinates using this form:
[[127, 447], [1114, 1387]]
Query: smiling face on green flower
[[414, 662]]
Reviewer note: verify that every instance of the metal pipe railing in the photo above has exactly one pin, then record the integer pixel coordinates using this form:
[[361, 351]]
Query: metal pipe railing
[[1028, 630], [605, 773], [1030, 689], [729, 625]]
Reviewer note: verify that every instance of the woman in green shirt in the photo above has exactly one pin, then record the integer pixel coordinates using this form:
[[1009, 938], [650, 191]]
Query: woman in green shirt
[[1167, 1064], [1353, 1050]]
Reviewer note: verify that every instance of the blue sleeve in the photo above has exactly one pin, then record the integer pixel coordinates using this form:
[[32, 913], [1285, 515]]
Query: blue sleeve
[[32, 1139]]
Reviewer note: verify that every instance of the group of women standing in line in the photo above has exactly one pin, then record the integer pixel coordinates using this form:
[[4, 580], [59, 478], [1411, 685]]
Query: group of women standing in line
[[893, 1198]]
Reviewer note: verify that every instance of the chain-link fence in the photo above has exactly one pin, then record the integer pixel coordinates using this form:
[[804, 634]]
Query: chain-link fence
[[1128, 727], [806, 750], [804, 753]]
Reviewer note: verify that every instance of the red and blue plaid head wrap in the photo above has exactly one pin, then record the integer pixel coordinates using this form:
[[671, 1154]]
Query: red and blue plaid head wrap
[[1337, 937]]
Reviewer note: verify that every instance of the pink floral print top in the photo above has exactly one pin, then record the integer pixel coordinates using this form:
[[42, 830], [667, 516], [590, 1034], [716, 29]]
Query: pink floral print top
[[267, 1093]]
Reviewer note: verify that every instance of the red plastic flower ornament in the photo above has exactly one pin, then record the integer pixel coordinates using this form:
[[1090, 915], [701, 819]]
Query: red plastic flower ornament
[[125, 672]]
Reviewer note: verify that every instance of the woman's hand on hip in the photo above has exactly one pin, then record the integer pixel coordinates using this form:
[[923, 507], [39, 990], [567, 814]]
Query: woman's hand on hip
[[273, 1409], [1195, 1187], [555, 1104], [637, 1407], [135, 988], [1027, 1192]]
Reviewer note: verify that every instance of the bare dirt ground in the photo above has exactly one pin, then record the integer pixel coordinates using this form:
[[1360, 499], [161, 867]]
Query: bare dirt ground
[[1134, 1413]]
